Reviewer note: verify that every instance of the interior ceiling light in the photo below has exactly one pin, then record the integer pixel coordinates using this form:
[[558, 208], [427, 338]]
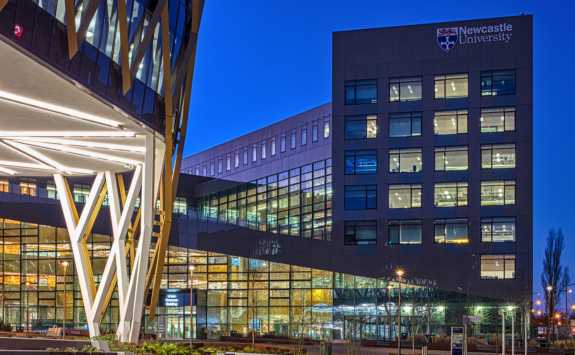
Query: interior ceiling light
[[24, 100], [83, 152], [86, 144], [84, 134]]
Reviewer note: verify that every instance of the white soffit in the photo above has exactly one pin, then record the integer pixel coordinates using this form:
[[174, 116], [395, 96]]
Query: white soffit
[[49, 125]]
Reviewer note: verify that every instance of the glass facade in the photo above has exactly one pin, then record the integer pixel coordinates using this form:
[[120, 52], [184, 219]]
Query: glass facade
[[295, 202]]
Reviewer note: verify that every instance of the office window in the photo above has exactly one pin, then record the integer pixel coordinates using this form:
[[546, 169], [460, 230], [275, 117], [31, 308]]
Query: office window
[[405, 89], [451, 231], [498, 267], [404, 232], [263, 150], [304, 136], [361, 127], [4, 186], [81, 193], [326, 129], [283, 144], [254, 153], [497, 119], [273, 147], [180, 205], [360, 197], [404, 196], [450, 122], [293, 139], [220, 166], [450, 194], [497, 230], [228, 163], [405, 124], [405, 160], [497, 193], [451, 158], [205, 171], [360, 92], [246, 156], [360, 162], [212, 168], [500, 156], [451, 86], [360, 232], [52, 192], [498, 82], [28, 188], [237, 160], [314, 132]]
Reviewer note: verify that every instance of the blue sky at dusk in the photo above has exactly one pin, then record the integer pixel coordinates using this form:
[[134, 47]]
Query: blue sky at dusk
[[263, 60]]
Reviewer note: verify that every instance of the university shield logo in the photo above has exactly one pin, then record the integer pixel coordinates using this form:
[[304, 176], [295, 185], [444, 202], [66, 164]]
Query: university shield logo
[[446, 38]]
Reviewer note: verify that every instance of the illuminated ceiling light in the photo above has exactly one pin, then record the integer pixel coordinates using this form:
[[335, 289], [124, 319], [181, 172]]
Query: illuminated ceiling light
[[7, 171], [85, 134], [79, 151], [57, 109], [43, 159], [87, 144], [17, 164]]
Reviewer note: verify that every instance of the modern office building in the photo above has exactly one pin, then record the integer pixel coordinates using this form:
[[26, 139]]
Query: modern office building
[[422, 163]]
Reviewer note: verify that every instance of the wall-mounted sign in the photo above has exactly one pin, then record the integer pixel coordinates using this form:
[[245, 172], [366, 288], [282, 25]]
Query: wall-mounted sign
[[448, 37], [267, 247]]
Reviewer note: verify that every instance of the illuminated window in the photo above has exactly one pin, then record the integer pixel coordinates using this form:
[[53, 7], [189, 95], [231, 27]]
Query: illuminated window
[[499, 82], [246, 156], [51, 191], [293, 140], [361, 127], [404, 196], [360, 162], [273, 147], [360, 92], [263, 150], [498, 230], [404, 232], [81, 193], [451, 231], [303, 139], [497, 193], [360, 232], [254, 153], [220, 166], [451, 194], [228, 163], [4, 186], [451, 158], [405, 124], [326, 129], [360, 197], [497, 120], [212, 168], [405, 161], [498, 156], [28, 188], [237, 160], [498, 267], [451, 86], [450, 122], [405, 89], [180, 205]]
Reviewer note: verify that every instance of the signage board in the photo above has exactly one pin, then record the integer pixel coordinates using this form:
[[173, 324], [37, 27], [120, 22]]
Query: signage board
[[457, 340]]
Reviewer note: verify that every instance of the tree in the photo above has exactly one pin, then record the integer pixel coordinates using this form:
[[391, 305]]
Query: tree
[[554, 274]]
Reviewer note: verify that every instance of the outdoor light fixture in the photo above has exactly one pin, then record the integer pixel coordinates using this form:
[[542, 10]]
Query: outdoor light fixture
[[549, 288], [399, 272], [85, 134], [46, 106]]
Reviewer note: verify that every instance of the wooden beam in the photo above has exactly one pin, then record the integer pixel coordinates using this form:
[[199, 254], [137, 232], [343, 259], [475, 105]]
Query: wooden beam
[[87, 16], [71, 28], [124, 47]]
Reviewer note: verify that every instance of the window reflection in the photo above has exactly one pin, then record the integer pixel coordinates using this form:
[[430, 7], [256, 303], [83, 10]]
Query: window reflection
[[405, 89], [451, 231], [405, 232], [405, 124]]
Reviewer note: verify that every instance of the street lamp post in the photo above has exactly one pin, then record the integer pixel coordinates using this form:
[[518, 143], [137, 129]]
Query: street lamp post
[[191, 268], [65, 266], [399, 273], [549, 288]]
